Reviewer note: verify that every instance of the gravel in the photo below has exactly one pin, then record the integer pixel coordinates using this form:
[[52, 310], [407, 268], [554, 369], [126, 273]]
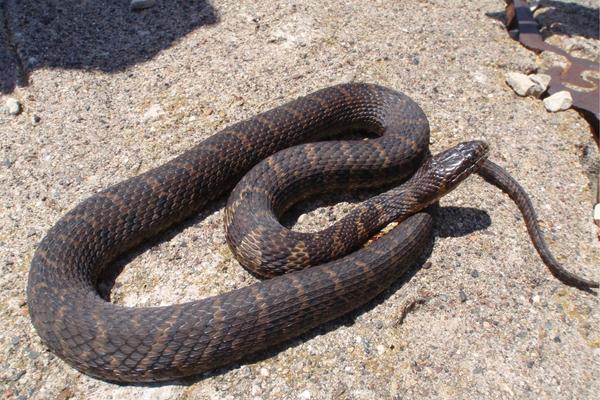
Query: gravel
[[113, 93]]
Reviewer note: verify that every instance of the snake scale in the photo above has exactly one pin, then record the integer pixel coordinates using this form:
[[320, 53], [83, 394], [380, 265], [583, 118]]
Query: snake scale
[[144, 344]]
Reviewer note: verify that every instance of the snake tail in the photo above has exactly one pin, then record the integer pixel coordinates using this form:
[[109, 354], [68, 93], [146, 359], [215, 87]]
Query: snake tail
[[499, 177]]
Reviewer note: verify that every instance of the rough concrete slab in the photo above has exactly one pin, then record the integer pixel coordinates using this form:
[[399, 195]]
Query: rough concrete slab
[[487, 320]]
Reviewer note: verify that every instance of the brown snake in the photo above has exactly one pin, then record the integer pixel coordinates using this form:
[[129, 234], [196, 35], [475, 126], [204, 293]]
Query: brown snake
[[128, 344]]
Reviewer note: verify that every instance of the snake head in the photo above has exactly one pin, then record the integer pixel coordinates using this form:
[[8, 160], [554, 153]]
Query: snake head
[[443, 172], [455, 164]]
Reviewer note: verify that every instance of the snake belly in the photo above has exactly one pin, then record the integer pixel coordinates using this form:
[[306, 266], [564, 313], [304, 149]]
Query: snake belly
[[141, 344]]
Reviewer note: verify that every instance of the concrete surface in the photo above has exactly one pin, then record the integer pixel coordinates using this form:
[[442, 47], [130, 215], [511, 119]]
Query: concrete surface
[[111, 93]]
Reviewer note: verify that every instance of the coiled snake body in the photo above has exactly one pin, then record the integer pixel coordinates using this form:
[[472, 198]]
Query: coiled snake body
[[158, 343]]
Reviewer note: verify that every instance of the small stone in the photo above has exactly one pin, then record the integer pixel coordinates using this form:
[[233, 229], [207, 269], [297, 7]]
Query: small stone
[[462, 296], [559, 101], [520, 83], [264, 372], [557, 339], [35, 119], [305, 395], [541, 82], [536, 299], [12, 106], [475, 273], [137, 5], [380, 349]]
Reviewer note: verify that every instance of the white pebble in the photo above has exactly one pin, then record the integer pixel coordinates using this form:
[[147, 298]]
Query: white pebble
[[541, 82], [12, 106], [597, 212], [264, 372], [305, 395], [520, 83], [558, 101]]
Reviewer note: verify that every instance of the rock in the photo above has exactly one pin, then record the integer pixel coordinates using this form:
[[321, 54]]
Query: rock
[[12, 106], [305, 395], [520, 83], [559, 101], [462, 296], [541, 82], [597, 213], [475, 273], [137, 5]]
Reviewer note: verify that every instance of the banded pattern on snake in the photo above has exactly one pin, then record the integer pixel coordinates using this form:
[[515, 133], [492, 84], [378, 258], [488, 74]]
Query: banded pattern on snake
[[158, 343]]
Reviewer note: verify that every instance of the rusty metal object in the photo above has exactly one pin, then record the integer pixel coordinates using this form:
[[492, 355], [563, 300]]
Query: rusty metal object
[[520, 19]]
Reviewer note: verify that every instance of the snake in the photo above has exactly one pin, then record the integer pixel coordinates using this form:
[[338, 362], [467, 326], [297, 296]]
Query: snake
[[266, 163]]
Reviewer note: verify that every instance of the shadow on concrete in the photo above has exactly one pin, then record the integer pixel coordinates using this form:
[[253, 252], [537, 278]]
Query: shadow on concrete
[[89, 35]]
